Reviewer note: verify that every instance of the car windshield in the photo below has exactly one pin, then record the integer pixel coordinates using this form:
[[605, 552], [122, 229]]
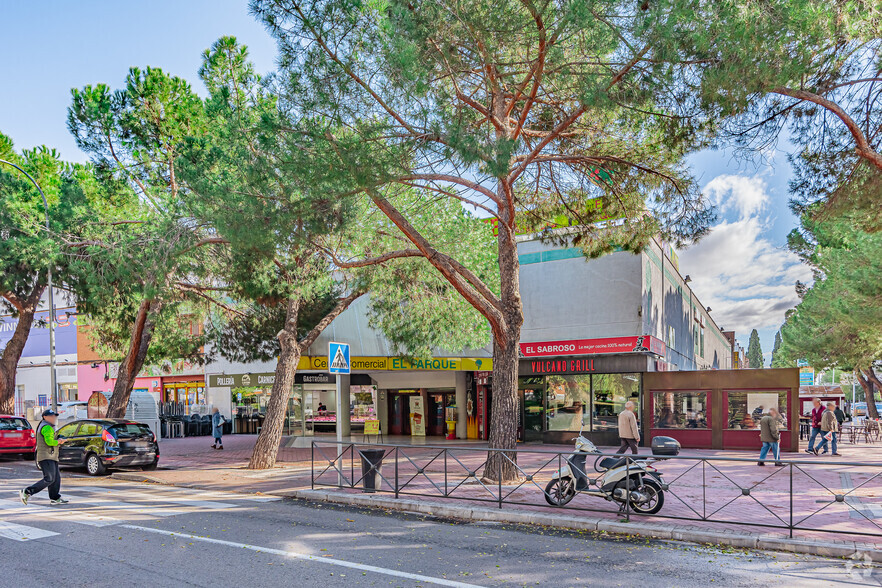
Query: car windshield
[[130, 430], [9, 424]]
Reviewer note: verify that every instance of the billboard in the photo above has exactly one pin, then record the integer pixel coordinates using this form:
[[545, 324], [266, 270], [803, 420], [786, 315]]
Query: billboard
[[806, 376], [38, 338], [639, 344]]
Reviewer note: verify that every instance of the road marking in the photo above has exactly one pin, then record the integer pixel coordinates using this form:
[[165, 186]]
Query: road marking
[[15, 507], [163, 497], [307, 557], [22, 532], [153, 511]]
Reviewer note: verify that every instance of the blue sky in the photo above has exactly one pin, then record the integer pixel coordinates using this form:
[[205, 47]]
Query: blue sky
[[741, 270]]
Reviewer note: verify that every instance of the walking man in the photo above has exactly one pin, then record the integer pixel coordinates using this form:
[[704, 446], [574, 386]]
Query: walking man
[[628, 431], [217, 423], [47, 459], [829, 427], [770, 436], [817, 411]]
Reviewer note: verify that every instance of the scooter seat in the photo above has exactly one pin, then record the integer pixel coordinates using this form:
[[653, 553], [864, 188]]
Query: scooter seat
[[608, 463]]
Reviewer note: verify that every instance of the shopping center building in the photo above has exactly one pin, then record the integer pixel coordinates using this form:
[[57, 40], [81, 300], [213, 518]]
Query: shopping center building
[[597, 333]]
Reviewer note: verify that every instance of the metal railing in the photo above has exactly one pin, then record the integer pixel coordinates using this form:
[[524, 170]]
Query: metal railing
[[802, 495]]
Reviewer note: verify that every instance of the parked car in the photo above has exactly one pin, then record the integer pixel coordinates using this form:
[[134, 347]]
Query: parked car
[[99, 444], [17, 436]]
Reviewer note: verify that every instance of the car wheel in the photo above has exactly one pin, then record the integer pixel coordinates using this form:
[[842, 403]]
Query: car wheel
[[30, 455], [151, 466], [94, 465]]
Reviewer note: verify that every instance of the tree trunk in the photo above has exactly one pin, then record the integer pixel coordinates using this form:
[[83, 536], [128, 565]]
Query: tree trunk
[[874, 383], [869, 395], [504, 407], [14, 348], [267, 447], [139, 345]]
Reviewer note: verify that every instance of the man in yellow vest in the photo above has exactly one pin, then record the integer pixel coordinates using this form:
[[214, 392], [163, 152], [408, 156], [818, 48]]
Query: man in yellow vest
[[47, 459]]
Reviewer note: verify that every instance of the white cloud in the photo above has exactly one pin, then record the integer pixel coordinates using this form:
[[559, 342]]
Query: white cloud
[[746, 195], [746, 279]]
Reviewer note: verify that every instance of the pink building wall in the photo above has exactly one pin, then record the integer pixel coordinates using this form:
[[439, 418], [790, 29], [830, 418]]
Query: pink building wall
[[91, 379]]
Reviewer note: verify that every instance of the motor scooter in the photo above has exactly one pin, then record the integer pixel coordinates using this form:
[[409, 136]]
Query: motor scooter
[[632, 480]]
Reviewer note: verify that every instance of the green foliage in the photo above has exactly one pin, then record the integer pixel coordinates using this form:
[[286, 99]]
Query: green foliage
[[27, 251], [148, 251], [776, 360], [751, 60], [838, 323], [755, 350], [415, 89], [288, 238]]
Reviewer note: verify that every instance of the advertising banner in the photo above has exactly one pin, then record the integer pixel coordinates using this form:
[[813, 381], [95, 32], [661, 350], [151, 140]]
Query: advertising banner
[[806, 376], [38, 338], [417, 417], [637, 344]]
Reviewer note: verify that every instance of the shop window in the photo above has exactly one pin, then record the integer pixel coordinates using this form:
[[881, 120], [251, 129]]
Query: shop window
[[364, 403], [610, 393], [747, 408], [679, 410], [568, 399], [68, 393]]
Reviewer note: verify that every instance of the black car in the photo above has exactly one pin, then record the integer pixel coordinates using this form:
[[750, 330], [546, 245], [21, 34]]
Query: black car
[[99, 444]]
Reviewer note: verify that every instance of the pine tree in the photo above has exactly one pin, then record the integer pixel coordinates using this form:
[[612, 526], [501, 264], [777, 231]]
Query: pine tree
[[775, 349], [531, 114], [755, 350]]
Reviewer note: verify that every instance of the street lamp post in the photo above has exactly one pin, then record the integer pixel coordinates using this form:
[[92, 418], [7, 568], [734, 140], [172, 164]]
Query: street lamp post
[[51, 296]]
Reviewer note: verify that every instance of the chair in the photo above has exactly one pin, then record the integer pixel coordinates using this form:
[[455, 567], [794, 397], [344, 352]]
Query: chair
[[206, 425], [871, 431]]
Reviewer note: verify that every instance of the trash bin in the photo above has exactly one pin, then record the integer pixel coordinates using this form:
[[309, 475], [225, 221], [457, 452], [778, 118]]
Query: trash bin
[[371, 464]]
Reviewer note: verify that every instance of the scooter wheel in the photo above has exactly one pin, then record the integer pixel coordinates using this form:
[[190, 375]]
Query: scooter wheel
[[655, 498], [560, 491]]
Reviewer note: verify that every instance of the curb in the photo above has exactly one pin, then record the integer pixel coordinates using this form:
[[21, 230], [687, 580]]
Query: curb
[[136, 477], [842, 549]]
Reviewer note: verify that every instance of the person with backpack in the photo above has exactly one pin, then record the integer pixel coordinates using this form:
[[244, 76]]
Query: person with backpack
[[47, 459], [217, 423]]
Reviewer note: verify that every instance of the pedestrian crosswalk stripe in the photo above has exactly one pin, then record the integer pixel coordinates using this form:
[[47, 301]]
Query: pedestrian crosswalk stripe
[[14, 507], [157, 511], [164, 491], [176, 499], [22, 532]]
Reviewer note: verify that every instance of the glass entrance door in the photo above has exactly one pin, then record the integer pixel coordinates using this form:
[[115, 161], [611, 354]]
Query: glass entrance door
[[532, 395], [298, 421]]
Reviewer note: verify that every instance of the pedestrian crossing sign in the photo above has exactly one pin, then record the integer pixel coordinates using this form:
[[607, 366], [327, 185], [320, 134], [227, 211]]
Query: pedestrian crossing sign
[[338, 358]]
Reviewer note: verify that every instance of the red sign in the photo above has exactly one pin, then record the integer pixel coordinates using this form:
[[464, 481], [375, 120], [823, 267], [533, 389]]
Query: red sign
[[641, 344]]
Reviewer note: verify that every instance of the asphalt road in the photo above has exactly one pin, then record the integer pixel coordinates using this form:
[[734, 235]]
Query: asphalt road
[[119, 533]]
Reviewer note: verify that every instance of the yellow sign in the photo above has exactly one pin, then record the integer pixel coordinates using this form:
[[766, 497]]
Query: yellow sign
[[367, 364], [372, 427]]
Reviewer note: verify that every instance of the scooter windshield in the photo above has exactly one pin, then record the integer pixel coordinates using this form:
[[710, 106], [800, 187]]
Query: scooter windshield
[[583, 444]]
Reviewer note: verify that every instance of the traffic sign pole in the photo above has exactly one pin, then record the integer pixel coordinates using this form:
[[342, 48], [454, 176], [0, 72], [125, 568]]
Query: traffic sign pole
[[338, 363]]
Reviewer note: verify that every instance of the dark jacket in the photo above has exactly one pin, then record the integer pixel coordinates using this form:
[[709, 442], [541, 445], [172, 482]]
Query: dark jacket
[[47, 444], [769, 430], [840, 416]]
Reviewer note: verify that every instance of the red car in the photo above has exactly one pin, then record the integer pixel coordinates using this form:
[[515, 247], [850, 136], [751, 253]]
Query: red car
[[17, 436]]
